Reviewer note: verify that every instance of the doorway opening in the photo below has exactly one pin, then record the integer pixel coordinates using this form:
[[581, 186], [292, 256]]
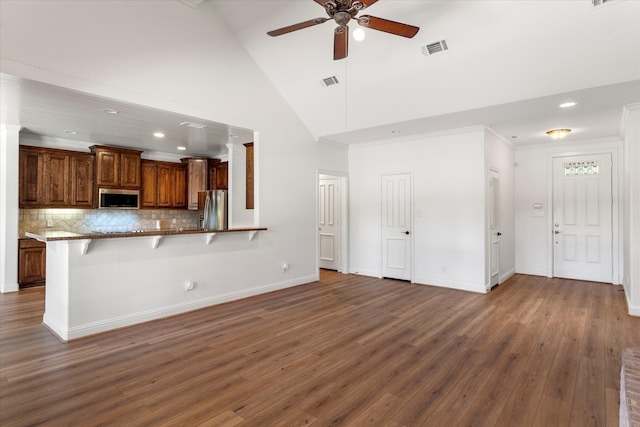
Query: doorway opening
[[332, 219]]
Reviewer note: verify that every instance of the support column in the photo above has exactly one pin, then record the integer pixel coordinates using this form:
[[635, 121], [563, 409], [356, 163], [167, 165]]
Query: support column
[[9, 144]]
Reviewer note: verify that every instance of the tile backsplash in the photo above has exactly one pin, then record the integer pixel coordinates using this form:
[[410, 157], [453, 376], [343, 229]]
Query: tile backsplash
[[87, 220]]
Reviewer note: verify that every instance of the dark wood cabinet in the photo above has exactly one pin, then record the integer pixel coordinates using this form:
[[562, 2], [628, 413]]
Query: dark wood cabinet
[[117, 167], [249, 175], [219, 176], [81, 180], [56, 179], [163, 185], [31, 178], [50, 178], [32, 262], [149, 181], [198, 178]]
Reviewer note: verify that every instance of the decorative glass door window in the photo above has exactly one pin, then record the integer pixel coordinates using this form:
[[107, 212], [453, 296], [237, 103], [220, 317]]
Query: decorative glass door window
[[581, 168]]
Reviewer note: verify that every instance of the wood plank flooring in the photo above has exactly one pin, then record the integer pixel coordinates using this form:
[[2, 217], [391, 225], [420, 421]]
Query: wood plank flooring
[[347, 350]]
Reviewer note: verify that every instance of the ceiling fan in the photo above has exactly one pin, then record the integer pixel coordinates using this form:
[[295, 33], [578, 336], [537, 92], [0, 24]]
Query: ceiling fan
[[342, 11]]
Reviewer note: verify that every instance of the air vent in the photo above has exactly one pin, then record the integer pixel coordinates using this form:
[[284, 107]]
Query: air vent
[[597, 3], [435, 47], [330, 81]]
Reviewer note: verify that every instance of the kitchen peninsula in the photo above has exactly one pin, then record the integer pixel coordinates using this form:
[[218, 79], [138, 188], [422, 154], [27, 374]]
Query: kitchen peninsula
[[97, 282]]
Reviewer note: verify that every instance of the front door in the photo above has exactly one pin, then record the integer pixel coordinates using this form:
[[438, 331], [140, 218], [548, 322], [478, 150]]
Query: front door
[[328, 237], [582, 218], [396, 226]]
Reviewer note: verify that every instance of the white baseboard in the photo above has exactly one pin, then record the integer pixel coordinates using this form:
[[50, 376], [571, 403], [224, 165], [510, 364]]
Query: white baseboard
[[368, 273], [531, 271], [461, 286], [634, 310], [507, 275], [93, 328]]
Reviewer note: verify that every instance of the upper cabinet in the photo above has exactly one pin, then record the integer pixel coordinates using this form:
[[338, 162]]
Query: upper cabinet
[[54, 178], [164, 185], [199, 178], [249, 176], [117, 167], [219, 176]]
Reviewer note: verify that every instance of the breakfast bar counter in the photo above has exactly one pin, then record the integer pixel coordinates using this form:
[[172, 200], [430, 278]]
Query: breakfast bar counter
[[97, 282]]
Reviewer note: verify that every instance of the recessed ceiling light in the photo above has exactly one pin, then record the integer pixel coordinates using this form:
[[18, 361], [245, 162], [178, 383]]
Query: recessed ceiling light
[[71, 132], [110, 111], [233, 135], [395, 132], [568, 104], [359, 34], [158, 134], [181, 148]]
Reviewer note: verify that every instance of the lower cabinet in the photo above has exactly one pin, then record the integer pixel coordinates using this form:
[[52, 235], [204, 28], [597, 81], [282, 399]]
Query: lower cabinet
[[32, 262]]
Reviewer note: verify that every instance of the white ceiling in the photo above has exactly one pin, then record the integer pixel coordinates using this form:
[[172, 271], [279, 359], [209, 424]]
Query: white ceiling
[[509, 65]]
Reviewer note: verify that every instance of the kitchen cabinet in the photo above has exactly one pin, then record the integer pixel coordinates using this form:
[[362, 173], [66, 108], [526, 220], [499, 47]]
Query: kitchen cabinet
[[32, 260], [31, 177], [219, 176], [81, 170], [163, 185], [50, 178], [249, 175], [117, 167], [198, 178]]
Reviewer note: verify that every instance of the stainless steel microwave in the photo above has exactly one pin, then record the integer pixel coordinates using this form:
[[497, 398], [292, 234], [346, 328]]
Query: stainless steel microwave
[[112, 198]]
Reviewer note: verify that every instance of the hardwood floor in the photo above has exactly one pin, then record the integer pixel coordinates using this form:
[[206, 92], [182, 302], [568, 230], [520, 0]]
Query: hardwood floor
[[347, 350]]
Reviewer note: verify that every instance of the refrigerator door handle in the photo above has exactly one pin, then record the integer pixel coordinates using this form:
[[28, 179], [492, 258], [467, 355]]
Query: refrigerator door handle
[[207, 213]]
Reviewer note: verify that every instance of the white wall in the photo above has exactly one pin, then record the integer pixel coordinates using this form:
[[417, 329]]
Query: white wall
[[631, 209], [448, 206], [500, 157], [186, 61], [533, 184]]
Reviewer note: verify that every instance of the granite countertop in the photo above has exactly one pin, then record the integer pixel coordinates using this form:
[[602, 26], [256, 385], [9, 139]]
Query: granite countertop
[[50, 235]]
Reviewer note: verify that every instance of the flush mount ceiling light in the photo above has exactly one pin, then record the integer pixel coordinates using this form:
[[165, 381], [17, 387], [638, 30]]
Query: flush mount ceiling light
[[568, 104], [158, 134], [193, 125], [558, 133]]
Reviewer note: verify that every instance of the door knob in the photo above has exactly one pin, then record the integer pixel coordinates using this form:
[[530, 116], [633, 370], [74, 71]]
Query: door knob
[[499, 233], [405, 232], [556, 232]]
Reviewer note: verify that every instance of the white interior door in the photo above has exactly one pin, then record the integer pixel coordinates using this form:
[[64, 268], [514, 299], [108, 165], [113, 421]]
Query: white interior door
[[582, 218], [328, 229], [494, 227], [396, 226]]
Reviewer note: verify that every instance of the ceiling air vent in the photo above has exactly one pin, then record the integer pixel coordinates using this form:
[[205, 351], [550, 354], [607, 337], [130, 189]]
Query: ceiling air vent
[[330, 81], [597, 3], [435, 47]]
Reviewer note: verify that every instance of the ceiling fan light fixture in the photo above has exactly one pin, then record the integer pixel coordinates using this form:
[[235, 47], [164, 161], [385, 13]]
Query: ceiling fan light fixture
[[558, 133], [359, 34]]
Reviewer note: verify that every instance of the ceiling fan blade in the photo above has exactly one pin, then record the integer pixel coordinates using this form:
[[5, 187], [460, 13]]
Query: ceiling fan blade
[[367, 3], [295, 27], [341, 42], [392, 27]]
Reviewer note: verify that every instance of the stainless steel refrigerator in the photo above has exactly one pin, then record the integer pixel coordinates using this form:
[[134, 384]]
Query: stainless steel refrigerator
[[212, 205]]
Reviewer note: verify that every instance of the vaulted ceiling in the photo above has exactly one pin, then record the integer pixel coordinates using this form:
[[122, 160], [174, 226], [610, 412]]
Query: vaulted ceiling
[[509, 64]]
